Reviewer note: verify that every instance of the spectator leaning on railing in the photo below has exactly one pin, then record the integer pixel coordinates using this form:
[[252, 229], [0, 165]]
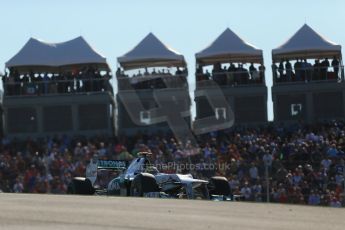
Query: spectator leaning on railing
[[87, 79], [303, 70]]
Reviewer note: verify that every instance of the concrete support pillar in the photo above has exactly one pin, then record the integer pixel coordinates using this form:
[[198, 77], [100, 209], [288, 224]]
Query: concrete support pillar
[[39, 119], [231, 101], [275, 111], [310, 108], [75, 117], [343, 94], [5, 116]]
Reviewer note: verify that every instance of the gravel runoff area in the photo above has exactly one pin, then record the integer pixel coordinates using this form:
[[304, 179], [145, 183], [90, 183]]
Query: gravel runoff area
[[29, 211]]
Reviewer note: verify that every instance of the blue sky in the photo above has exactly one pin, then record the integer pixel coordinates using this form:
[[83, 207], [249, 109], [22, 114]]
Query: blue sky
[[113, 27]]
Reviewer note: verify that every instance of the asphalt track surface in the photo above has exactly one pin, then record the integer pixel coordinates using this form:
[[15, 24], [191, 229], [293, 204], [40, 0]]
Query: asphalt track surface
[[28, 211]]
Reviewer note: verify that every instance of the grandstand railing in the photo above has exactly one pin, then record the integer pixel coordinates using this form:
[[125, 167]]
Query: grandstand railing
[[56, 86], [152, 81], [308, 75], [233, 78]]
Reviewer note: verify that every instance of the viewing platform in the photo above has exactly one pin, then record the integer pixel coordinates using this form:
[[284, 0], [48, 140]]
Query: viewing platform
[[237, 69], [57, 89], [153, 91], [308, 79]]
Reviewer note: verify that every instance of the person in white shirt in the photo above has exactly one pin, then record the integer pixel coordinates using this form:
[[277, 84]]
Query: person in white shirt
[[91, 169], [253, 173], [326, 163], [246, 192], [268, 159], [234, 183]]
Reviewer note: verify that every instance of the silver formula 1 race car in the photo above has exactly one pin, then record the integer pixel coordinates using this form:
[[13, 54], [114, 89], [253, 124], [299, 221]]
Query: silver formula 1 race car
[[140, 178]]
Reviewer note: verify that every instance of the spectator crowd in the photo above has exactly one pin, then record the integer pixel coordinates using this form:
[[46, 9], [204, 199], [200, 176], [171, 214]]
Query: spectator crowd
[[304, 163], [86, 79], [232, 74], [152, 78], [302, 70]]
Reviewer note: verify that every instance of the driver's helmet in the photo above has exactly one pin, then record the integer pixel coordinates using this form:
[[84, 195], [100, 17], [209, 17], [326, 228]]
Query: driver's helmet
[[151, 169], [94, 159]]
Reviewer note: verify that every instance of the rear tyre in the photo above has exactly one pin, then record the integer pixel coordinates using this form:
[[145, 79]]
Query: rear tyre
[[80, 186], [219, 186], [143, 183]]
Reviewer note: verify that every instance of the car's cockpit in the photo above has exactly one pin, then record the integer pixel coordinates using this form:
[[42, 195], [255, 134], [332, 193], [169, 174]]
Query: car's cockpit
[[139, 165]]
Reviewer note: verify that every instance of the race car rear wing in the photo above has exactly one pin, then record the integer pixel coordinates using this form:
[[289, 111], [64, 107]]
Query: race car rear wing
[[93, 167], [111, 164]]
